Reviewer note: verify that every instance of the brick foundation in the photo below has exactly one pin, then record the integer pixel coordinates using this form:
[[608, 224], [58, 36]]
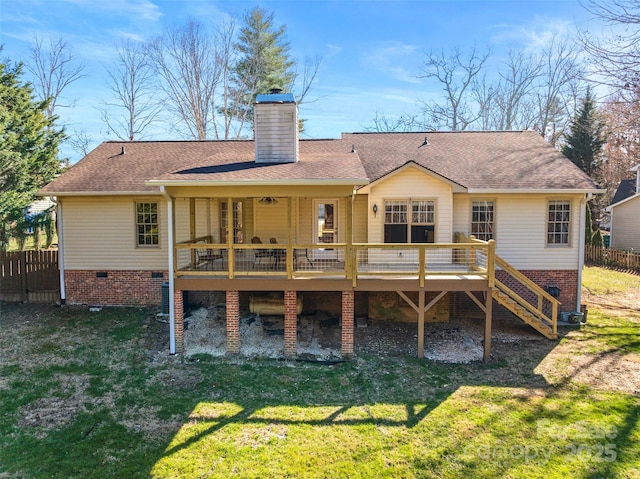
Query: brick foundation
[[290, 320], [566, 280], [114, 288], [347, 324], [233, 322], [179, 321]]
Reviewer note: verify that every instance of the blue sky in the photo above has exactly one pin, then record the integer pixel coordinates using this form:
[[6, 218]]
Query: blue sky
[[371, 50]]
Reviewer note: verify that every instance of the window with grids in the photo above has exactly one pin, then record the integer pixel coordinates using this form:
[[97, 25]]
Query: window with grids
[[558, 222], [147, 224], [400, 227], [482, 214]]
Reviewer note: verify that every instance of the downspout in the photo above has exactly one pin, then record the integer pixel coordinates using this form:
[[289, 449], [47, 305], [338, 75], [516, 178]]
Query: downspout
[[170, 239], [581, 247], [63, 293]]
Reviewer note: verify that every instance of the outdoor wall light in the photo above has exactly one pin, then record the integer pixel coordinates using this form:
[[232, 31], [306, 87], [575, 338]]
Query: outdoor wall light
[[375, 210]]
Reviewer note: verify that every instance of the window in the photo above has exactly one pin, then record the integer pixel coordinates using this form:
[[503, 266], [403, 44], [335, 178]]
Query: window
[[482, 220], [559, 220], [399, 227], [147, 224], [237, 222]]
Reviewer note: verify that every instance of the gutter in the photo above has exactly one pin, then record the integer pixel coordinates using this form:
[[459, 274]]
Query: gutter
[[581, 248], [63, 292], [273, 182], [170, 239]]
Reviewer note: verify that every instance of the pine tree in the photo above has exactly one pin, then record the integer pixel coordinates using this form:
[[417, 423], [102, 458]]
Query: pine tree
[[586, 138], [263, 61], [28, 147]]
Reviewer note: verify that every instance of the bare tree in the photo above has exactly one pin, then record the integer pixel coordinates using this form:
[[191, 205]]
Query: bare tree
[[622, 150], [80, 142], [615, 59], [456, 74], [512, 98], [131, 80], [559, 89], [187, 61], [382, 123], [54, 68]]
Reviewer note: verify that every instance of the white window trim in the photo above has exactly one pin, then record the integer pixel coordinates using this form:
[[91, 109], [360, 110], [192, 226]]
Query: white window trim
[[569, 242], [495, 208], [409, 223]]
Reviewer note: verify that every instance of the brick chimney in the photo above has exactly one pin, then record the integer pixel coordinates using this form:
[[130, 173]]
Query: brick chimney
[[275, 128]]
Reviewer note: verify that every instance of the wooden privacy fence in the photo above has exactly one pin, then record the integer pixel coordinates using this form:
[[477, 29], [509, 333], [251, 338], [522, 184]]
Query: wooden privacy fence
[[613, 258], [29, 276]]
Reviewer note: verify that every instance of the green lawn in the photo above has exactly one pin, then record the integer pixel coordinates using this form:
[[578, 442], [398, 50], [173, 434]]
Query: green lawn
[[83, 395]]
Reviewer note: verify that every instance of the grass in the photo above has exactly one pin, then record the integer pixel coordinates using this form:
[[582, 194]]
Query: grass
[[82, 395], [603, 281]]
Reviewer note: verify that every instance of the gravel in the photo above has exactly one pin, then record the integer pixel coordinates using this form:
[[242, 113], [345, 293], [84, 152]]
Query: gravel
[[319, 336]]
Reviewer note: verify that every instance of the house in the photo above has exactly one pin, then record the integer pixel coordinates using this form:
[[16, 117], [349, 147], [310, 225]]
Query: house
[[625, 214], [390, 225]]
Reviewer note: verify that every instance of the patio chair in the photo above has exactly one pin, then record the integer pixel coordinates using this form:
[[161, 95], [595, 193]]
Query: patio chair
[[260, 252], [277, 253], [206, 255]]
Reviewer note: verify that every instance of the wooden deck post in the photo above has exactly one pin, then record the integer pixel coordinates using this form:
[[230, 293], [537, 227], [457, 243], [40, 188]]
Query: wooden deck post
[[192, 227], [230, 252], [487, 326], [421, 311]]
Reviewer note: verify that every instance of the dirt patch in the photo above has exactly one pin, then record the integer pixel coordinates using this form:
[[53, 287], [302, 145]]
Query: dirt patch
[[608, 368]]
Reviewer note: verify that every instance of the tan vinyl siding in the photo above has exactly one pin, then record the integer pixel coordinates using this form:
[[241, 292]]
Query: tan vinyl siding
[[417, 185], [270, 220], [305, 224], [99, 234], [361, 213], [521, 232], [625, 225]]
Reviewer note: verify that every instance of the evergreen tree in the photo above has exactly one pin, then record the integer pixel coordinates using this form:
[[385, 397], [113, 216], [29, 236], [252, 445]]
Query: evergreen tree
[[28, 147], [263, 62], [586, 138]]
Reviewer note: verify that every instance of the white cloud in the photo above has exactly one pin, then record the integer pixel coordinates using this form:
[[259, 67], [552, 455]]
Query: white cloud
[[395, 59]]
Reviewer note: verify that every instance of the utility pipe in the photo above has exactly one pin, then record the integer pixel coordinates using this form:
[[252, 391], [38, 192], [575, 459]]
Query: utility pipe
[[170, 239], [581, 247], [63, 293]]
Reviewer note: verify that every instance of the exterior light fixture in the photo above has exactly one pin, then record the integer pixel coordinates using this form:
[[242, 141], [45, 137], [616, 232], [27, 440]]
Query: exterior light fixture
[[375, 210]]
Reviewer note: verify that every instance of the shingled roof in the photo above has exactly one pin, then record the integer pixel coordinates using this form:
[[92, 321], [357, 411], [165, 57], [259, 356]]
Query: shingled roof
[[517, 160], [626, 189]]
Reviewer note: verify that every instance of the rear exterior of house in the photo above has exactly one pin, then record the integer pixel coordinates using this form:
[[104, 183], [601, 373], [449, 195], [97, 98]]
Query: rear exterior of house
[[408, 226], [625, 214]]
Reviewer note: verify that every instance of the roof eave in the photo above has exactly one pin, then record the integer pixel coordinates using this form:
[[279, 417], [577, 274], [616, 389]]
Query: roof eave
[[629, 198], [98, 193], [284, 182], [553, 191]]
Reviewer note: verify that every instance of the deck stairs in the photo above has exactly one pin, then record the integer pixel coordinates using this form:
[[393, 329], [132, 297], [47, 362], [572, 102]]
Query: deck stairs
[[540, 312]]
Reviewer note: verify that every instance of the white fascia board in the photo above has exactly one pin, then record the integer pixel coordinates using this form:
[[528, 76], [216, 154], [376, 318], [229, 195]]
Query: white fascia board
[[284, 182], [609, 208], [60, 194], [486, 191]]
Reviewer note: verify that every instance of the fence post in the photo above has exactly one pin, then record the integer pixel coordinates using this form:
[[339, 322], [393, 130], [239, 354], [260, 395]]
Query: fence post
[[23, 276]]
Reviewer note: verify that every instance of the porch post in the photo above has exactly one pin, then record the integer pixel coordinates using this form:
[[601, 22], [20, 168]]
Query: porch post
[[487, 325], [347, 324], [230, 239], [192, 226], [421, 311], [178, 321], [290, 320], [233, 322]]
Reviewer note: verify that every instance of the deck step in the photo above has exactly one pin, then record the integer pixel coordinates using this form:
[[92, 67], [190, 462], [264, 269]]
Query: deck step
[[524, 314]]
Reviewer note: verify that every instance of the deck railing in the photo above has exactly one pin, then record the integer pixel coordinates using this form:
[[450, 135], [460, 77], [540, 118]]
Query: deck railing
[[200, 257]]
